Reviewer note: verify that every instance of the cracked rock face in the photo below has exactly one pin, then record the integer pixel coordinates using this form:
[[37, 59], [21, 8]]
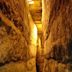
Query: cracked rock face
[[15, 40], [13, 47], [57, 30]]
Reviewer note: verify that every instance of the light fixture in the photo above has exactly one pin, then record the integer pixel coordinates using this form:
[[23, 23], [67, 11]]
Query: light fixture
[[30, 1]]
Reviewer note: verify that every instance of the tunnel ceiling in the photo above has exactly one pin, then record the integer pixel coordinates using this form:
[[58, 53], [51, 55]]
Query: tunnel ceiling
[[36, 10]]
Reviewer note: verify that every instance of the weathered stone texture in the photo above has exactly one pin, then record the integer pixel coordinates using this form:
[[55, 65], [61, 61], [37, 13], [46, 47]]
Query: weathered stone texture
[[57, 30], [14, 46]]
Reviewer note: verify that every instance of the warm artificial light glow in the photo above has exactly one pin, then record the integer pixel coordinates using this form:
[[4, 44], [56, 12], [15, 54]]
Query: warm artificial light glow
[[30, 1], [34, 34], [39, 26], [39, 43], [33, 39]]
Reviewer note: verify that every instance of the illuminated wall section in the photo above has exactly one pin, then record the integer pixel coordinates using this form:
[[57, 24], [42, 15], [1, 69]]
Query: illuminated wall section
[[33, 39]]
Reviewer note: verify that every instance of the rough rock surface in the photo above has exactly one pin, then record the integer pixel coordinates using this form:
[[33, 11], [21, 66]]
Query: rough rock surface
[[57, 32], [18, 42], [14, 47]]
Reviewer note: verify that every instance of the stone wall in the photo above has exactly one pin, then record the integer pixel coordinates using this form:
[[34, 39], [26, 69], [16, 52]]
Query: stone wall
[[57, 32], [16, 38]]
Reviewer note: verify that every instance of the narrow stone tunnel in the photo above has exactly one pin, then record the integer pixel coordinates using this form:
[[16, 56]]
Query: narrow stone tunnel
[[35, 35]]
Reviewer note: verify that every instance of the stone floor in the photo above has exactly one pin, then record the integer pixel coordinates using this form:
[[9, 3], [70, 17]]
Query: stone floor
[[30, 66], [19, 67]]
